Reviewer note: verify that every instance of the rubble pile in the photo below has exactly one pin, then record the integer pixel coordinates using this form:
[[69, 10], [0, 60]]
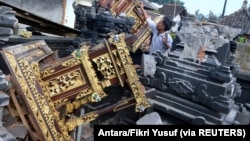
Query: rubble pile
[[197, 77]]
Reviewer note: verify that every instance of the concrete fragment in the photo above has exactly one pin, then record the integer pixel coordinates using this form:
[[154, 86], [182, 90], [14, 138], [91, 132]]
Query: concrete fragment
[[87, 134], [150, 119], [6, 135], [4, 99], [149, 65], [19, 131]]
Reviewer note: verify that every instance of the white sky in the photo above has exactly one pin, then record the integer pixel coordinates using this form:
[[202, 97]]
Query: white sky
[[216, 6]]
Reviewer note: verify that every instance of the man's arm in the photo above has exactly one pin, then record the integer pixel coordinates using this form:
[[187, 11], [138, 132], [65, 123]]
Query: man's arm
[[145, 14], [165, 41], [150, 22], [167, 45]]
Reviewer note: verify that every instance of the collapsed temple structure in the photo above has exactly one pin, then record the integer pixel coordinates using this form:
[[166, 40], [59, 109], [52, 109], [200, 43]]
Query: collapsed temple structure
[[200, 69]]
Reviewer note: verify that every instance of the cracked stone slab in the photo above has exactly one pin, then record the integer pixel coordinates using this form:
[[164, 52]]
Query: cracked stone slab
[[18, 130], [6, 135], [4, 99], [150, 119]]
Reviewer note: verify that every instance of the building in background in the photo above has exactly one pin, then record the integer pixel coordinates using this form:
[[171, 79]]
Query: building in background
[[239, 19], [174, 12]]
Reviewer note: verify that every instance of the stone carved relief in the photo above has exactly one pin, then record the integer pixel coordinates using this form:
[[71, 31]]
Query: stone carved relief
[[181, 86]]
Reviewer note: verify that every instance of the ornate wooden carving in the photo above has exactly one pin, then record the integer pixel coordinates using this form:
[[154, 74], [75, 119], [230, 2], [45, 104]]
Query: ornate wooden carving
[[140, 31], [46, 82]]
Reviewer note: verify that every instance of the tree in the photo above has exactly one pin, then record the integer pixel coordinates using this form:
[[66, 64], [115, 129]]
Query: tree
[[212, 16], [163, 2], [181, 3]]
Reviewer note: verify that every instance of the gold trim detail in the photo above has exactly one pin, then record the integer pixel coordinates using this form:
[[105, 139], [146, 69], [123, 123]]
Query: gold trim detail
[[133, 79]]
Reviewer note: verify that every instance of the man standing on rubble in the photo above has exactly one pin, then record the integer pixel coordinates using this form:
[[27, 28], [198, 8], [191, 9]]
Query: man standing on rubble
[[161, 40]]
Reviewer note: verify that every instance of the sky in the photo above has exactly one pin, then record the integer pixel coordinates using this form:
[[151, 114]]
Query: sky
[[216, 6]]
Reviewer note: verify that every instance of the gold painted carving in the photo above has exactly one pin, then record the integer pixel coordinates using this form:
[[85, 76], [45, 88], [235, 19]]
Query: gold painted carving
[[110, 66], [138, 21], [133, 79], [28, 75], [71, 106], [105, 66], [41, 107], [82, 54], [65, 82], [24, 62], [60, 102], [105, 83], [48, 71], [71, 62], [29, 47], [73, 122], [84, 93], [114, 63]]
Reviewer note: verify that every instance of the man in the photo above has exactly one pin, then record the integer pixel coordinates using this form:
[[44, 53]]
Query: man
[[161, 39]]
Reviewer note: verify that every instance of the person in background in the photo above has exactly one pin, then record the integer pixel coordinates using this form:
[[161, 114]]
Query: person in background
[[161, 40]]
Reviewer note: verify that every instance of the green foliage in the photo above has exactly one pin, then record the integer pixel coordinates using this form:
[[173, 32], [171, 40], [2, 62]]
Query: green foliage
[[163, 2], [173, 35], [242, 39], [157, 11]]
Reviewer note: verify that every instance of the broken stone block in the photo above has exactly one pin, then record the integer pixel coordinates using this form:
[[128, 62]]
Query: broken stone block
[[19, 131], [87, 134], [149, 65], [5, 135], [192, 44], [4, 99], [150, 119], [7, 118]]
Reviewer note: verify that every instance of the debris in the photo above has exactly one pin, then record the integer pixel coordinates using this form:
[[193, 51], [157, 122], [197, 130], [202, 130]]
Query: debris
[[150, 119]]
